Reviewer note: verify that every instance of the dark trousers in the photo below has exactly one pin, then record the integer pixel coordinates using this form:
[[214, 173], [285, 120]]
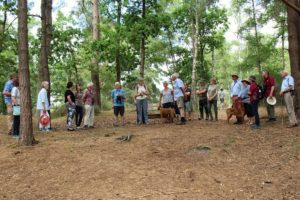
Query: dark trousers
[[213, 103], [203, 107], [255, 111], [16, 126], [78, 115]]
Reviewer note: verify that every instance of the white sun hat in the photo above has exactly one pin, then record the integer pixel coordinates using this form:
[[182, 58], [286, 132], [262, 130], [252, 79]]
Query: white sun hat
[[271, 101]]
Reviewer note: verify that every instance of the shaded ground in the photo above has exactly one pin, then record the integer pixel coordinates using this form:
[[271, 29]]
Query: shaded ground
[[160, 162]]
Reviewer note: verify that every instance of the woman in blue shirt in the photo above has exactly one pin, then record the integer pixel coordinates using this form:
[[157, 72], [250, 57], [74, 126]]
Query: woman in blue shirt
[[118, 98]]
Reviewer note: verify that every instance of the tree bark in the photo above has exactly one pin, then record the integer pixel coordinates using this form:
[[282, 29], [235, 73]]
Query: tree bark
[[294, 48], [95, 66], [118, 59], [258, 60], [195, 33], [24, 76], [143, 43], [46, 36]]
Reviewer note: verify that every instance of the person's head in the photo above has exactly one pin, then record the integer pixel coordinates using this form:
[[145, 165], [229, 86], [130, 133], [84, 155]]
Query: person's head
[[265, 74], [69, 85], [252, 79], [202, 82], [245, 83], [16, 83], [13, 77], [222, 89], [284, 74], [45, 84], [212, 81], [117, 85], [141, 81], [78, 87], [174, 76], [186, 85], [90, 86], [165, 84], [235, 76]]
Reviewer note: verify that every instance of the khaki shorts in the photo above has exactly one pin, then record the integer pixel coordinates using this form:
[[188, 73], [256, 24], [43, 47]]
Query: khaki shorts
[[180, 102]]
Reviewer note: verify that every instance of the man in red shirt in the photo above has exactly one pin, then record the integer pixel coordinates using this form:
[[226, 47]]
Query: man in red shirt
[[269, 91]]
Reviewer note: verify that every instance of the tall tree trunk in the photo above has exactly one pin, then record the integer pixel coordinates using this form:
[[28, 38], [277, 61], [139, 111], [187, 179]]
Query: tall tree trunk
[[95, 66], [46, 36], [143, 43], [26, 114], [213, 62], [294, 48], [118, 59], [2, 34], [195, 33], [258, 59]]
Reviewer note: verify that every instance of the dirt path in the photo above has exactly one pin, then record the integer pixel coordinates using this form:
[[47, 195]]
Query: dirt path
[[160, 162]]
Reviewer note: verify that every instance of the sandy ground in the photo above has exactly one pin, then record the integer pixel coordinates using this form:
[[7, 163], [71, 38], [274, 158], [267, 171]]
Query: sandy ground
[[161, 161]]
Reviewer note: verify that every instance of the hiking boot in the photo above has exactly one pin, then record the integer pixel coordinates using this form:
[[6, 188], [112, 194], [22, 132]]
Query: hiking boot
[[181, 123]]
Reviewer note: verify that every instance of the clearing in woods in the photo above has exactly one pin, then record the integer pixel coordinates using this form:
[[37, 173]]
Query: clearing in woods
[[201, 160]]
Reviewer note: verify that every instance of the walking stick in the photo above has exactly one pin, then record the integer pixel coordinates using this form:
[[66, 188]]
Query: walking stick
[[282, 112]]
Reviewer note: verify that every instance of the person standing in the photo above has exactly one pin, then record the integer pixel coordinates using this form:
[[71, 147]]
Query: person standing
[[212, 98], [118, 99], [187, 101], [222, 98], [254, 100], [88, 100], [287, 91], [166, 97], [15, 95], [8, 102], [70, 105], [43, 105], [179, 95], [246, 100], [79, 106], [269, 92], [141, 94], [235, 90], [202, 93]]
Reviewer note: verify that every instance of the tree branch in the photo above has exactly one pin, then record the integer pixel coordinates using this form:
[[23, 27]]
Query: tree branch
[[296, 8]]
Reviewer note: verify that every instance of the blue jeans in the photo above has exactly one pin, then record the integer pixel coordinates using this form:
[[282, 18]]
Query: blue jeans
[[142, 110], [255, 111]]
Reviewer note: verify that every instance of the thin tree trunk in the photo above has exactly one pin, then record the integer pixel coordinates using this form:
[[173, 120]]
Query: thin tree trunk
[[213, 62], [95, 66], [118, 59], [143, 43], [294, 49], [24, 76], [2, 35], [46, 36], [258, 60], [195, 33]]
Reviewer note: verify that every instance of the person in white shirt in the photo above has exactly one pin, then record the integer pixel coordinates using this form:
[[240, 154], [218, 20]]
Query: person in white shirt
[[235, 91], [179, 95], [141, 94], [43, 105], [287, 91], [15, 97]]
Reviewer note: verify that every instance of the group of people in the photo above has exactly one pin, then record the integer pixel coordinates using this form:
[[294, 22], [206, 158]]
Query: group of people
[[245, 94]]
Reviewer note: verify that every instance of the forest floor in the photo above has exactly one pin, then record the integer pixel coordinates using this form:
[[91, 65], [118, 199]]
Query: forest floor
[[161, 161]]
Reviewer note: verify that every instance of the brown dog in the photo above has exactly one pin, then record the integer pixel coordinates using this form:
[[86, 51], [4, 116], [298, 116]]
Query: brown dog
[[238, 113], [168, 113]]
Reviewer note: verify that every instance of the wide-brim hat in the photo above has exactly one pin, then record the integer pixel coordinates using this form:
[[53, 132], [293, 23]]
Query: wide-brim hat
[[44, 119], [246, 81], [235, 74], [271, 101]]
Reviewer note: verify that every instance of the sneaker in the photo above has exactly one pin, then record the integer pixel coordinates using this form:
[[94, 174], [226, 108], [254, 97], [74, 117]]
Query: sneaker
[[115, 125], [71, 129], [254, 126], [199, 118], [78, 127], [180, 123], [85, 126], [91, 126], [271, 120], [292, 126], [237, 123], [16, 137]]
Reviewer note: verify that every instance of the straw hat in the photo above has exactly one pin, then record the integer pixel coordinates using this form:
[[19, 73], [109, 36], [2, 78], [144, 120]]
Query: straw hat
[[271, 101], [235, 74]]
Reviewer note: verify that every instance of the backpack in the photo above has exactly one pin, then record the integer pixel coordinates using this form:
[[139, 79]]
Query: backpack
[[261, 92]]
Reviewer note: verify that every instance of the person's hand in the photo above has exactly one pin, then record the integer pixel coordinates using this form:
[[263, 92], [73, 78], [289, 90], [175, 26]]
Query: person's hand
[[281, 93], [271, 97]]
